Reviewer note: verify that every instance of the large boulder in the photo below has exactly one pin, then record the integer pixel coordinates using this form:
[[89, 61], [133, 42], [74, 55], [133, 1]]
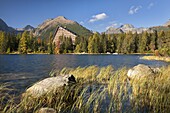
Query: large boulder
[[142, 70], [49, 84]]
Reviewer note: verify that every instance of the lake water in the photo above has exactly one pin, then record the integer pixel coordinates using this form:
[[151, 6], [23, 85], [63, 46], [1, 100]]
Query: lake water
[[21, 71]]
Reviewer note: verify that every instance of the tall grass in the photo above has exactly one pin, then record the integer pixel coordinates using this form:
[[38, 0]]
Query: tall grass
[[101, 90]]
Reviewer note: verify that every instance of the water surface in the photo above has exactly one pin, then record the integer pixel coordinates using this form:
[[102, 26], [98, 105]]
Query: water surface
[[23, 70]]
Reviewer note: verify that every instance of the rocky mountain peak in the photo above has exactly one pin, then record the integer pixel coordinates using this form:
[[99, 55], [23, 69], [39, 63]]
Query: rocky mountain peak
[[126, 26], [113, 30], [61, 18], [51, 22], [28, 27]]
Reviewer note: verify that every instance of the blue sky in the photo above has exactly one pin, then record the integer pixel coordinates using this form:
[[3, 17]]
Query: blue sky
[[96, 15]]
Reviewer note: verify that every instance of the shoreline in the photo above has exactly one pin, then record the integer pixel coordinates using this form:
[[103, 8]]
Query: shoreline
[[159, 58], [16, 53]]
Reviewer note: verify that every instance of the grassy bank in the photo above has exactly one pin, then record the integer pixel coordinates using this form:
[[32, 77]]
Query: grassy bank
[[99, 89], [166, 59]]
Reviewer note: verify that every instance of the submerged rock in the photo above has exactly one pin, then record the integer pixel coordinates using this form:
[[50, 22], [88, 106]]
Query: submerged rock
[[49, 84], [142, 70]]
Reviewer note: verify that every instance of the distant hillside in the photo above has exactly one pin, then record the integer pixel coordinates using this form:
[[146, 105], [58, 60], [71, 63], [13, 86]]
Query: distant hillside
[[161, 28], [50, 25], [5, 27], [26, 28]]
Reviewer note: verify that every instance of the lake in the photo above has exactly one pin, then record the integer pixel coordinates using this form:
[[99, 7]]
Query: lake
[[21, 71]]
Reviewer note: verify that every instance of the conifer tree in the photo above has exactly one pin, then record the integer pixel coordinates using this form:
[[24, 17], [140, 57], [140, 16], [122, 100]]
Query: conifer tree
[[91, 45], [3, 42], [144, 42], [153, 43], [23, 43], [50, 44]]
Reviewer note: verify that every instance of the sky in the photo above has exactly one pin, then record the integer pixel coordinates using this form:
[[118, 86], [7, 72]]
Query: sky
[[96, 15]]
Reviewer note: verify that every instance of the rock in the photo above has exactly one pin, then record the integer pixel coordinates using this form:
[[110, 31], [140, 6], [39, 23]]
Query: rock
[[142, 70], [47, 110], [49, 84]]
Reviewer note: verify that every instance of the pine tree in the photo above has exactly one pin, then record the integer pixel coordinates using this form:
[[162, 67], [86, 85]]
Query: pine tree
[[78, 48], [144, 42], [111, 43], [84, 45], [153, 43], [30, 41], [3, 42], [50, 44], [119, 43], [164, 43], [103, 43], [91, 45], [23, 43]]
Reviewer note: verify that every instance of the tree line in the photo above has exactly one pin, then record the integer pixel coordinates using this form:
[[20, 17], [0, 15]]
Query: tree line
[[126, 43]]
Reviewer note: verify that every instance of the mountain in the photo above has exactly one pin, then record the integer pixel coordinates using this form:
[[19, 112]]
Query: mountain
[[5, 27], [43, 30], [113, 30], [127, 28], [167, 23], [26, 28], [29, 28], [164, 27]]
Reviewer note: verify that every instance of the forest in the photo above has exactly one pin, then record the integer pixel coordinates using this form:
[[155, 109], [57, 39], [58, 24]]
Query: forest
[[125, 43]]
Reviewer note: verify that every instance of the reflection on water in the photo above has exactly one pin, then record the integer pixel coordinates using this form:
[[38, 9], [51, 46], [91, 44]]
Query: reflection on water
[[23, 70]]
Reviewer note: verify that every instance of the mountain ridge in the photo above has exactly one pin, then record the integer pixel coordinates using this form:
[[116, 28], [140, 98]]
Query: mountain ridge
[[130, 28], [50, 25], [5, 27], [26, 28]]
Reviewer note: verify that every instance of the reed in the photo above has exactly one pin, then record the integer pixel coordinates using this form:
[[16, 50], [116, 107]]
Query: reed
[[100, 89]]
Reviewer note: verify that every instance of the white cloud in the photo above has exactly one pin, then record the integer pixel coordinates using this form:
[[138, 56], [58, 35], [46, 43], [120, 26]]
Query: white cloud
[[150, 5], [98, 17], [134, 9]]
